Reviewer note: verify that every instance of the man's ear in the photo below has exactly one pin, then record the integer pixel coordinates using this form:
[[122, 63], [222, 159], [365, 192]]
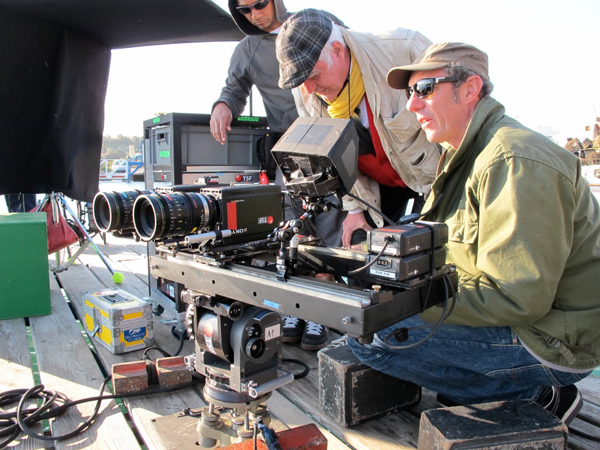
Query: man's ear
[[472, 88], [338, 48]]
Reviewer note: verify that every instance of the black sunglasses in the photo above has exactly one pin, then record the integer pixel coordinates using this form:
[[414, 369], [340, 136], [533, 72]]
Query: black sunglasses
[[247, 9], [423, 88]]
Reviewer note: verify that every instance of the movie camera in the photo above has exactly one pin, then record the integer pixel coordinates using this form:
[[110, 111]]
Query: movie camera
[[226, 255]]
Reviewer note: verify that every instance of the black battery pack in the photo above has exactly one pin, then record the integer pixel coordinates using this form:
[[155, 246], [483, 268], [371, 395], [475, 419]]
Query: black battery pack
[[390, 269], [404, 240]]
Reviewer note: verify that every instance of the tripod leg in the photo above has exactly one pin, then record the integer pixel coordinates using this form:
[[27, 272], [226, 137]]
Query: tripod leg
[[72, 259], [84, 231]]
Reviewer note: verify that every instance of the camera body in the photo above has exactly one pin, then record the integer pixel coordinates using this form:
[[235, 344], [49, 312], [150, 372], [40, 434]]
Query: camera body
[[251, 212], [235, 214], [246, 212]]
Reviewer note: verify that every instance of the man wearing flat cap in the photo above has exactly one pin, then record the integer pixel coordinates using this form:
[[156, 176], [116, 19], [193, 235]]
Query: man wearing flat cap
[[340, 73], [524, 234]]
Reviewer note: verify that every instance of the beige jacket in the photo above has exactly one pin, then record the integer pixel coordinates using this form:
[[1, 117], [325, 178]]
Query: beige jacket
[[414, 158]]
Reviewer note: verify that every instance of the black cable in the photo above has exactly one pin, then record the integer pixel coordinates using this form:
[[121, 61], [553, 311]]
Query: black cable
[[181, 338], [269, 436], [158, 349], [75, 432], [300, 363], [175, 334], [28, 417], [403, 332], [366, 266], [8, 421]]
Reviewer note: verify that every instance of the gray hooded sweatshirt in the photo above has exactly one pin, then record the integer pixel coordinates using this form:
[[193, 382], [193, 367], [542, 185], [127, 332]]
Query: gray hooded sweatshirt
[[254, 63]]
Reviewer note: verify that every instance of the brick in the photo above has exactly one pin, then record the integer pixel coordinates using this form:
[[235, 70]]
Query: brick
[[129, 377], [247, 445], [517, 425], [172, 372], [306, 437], [351, 392]]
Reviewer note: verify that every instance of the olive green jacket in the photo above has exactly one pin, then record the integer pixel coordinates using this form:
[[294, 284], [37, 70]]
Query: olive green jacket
[[524, 233]]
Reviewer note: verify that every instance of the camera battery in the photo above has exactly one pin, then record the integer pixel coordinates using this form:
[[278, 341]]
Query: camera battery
[[404, 240], [118, 320], [391, 269]]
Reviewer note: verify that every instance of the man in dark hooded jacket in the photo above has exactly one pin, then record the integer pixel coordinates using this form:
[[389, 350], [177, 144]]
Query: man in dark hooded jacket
[[254, 63]]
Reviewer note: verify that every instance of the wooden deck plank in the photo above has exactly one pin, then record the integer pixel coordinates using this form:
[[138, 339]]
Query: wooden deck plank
[[59, 344], [15, 359], [590, 389], [16, 373], [126, 255], [132, 283], [121, 248], [590, 413]]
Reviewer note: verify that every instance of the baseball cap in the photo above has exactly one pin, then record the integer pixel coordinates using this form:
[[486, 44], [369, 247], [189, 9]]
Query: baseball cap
[[438, 56], [299, 44]]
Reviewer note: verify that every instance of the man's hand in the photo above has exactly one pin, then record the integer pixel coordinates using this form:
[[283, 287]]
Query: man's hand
[[220, 122], [352, 223]]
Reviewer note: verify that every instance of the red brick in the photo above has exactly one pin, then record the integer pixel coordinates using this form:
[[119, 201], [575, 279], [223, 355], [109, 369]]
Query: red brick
[[306, 437], [129, 377], [247, 445], [172, 372]]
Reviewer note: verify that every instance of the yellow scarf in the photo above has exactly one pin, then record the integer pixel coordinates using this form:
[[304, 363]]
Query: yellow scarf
[[342, 105]]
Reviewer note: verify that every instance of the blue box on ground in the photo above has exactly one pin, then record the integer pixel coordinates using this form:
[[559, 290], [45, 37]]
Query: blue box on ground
[[24, 279]]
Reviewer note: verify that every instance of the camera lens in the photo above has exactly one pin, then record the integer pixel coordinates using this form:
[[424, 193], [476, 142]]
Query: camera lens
[[159, 216], [113, 210]]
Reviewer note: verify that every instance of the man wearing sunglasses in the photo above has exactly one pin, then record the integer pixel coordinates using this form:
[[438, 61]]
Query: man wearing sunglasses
[[340, 73], [254, 63], [524, 234]]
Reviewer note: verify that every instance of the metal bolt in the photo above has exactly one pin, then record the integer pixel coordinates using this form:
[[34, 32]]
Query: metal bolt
[[346, 320]]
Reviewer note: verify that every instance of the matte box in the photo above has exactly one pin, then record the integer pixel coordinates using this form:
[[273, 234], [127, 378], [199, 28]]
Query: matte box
[[24, 279], [351, 392]]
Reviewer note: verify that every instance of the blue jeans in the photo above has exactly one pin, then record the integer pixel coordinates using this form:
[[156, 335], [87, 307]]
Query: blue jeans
[[20, 202], [466, 364]]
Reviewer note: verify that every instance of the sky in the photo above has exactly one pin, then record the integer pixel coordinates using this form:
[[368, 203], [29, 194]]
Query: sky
[[544, 60]]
